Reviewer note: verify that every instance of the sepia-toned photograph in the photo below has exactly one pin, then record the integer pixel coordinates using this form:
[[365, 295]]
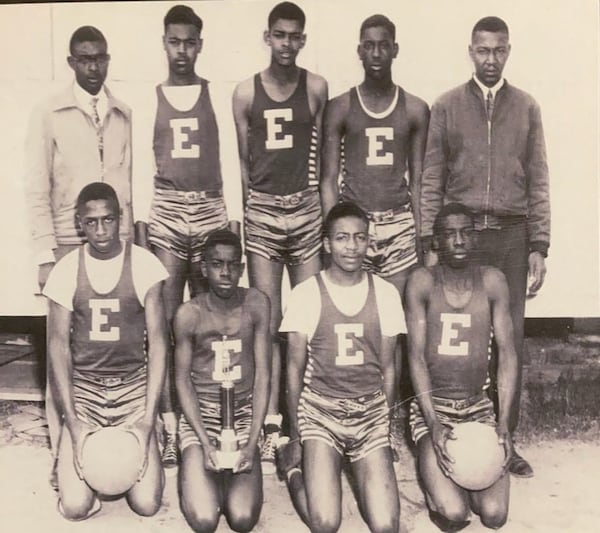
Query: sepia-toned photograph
[[321, 265]]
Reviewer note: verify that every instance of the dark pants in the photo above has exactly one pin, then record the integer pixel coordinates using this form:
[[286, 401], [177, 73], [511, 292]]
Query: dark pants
[[508, 250]]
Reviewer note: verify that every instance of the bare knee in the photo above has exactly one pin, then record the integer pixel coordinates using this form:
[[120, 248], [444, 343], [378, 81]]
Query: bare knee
[[146, 506], [385, 524], [321, 523], [201, 520], [76, 509], [493, 516], [244, 519], [452, 512]]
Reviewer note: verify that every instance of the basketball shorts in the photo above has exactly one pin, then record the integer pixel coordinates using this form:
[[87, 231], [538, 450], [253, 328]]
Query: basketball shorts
[[477, 408], [285, 229], [354, 427], [110, 401], [392, 242], [180, 221], [211, 418]]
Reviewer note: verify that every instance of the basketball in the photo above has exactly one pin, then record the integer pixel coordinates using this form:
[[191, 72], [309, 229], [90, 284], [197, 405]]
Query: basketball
[[111, 460], [478, 457]]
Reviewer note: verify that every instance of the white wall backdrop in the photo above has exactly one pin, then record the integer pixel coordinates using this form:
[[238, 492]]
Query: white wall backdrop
[[554, 57]]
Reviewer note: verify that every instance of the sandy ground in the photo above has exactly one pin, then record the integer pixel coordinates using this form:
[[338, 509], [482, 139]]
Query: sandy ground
[[562, 497]]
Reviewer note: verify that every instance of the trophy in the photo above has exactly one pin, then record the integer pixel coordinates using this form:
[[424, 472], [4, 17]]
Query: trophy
[[228, 452]]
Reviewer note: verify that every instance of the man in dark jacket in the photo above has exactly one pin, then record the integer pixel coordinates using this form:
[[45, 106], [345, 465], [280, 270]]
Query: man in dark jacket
[[486, 149]]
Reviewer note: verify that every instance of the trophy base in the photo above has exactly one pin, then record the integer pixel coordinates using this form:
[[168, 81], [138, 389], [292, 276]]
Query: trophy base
[[227, 460]]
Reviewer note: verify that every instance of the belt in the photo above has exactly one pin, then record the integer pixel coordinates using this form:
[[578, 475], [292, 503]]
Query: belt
[[381, 216], [191, 196], [284, 200], [488, 221], [111, 381], [460, 403]]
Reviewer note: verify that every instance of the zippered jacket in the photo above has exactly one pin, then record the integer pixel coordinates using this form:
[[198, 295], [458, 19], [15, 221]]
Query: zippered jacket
[[495, 168]]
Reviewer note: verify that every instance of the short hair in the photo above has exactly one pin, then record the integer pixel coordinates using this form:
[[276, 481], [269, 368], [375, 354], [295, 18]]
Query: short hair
[[491, 24], [453, 208], [286, 11], [97, 191], [181, 14], [343, 210], [377, 21], [222, 236], [86, 34]]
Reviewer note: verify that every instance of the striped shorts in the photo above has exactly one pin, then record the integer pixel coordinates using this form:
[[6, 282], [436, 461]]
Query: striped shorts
[[211, 418], [392, 242], [285, 229], [354, 427], [110, 401], [478, 408], [180, 221]]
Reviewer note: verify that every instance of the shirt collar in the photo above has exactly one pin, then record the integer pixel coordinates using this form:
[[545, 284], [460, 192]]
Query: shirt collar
[[485, 90], [83, 99]]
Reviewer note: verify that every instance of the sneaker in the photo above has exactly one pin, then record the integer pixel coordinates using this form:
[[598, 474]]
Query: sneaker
[[267, 451], [170, 453], [519, 467]]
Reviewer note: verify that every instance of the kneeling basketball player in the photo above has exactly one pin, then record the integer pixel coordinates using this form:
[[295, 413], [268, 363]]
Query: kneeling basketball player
[[222, 373], [342, 325], [105, 307], [452, 310]]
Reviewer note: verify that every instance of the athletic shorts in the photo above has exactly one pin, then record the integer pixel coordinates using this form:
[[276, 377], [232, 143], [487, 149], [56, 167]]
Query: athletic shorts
[[354, 427], [478, 408], [180, 221], [110, 401], [284, 229], [392, 242], [211, 418]]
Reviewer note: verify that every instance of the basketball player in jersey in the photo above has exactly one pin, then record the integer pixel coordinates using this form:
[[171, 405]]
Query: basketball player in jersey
[[452, 309], [188, 199], [278, 117], [342, 325], [105, 307], [375, 134], [221, 335]]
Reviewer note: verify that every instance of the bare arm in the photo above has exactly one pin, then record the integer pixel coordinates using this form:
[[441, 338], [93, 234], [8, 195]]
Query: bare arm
[[297, 356], [497, 289], [418, 289], [318, 93], [156, 328], [388, 368], [262, 364], [61, 376], [333, 132], [419, 123], [183, 326], [242, 102]]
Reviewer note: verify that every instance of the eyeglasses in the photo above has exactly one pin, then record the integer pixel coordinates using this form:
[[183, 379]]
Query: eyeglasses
[[87, 61]]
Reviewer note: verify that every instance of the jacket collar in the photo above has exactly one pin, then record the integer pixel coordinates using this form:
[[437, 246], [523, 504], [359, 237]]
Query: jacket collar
[[66, 99], [476, 90]]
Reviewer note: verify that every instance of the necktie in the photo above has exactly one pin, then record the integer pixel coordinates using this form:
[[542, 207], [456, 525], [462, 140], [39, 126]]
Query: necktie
[[98, 125], [489, 105]]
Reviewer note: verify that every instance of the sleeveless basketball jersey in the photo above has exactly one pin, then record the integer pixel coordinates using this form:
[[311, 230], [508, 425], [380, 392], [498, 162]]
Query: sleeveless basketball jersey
[[458, 341], [215, 354], [108, 331], [375, 149], [343, 357], [282, 141], [186, 145]]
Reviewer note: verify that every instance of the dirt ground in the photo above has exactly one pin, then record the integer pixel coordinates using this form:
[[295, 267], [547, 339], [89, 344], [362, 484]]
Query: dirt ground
[[562, 497]]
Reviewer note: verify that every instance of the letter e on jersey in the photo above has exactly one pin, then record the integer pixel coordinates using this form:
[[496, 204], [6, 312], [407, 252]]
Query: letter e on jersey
[[375, 137], [275, 139], [346, 354], [101, 309], [182, 148], [452, 323], [223, 370]]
